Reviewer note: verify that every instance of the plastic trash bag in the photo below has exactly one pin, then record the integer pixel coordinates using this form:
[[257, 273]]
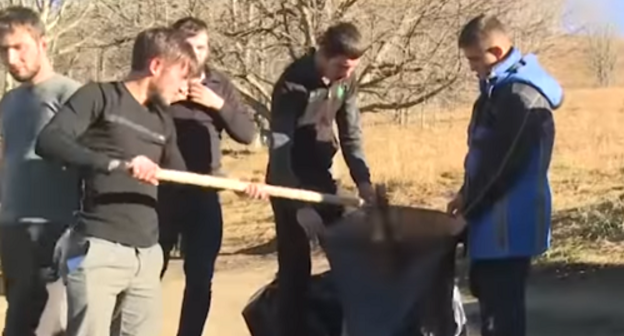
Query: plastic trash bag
[[461, 321], [402, 285], [53, 319], [61, 249], [394, 271], [324, 316]]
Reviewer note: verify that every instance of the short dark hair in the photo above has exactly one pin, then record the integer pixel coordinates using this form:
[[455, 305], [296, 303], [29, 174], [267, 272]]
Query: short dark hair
[[478, 29], [190, 26], [161, 42], [342, 39], [20, 16]]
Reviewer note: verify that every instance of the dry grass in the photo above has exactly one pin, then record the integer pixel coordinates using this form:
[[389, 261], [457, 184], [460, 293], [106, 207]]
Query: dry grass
[[422, 164]]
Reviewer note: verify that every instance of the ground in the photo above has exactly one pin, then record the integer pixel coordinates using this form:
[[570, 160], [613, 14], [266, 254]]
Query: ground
[[581, 303], [577, 301]]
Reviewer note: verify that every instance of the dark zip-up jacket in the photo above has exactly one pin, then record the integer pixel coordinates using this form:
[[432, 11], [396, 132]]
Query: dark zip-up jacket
[[199, 129], [303, 112]]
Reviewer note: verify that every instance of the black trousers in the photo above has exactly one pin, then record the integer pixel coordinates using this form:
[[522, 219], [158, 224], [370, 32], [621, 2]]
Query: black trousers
[[293, 256], [195, 215], [500, 287], [26, 253]]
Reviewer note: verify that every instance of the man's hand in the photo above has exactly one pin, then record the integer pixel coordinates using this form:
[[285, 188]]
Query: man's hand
[[312, 223], [143, 169], [367, 192], [458, 225], [202, 95], [454, 206], [254, 191]]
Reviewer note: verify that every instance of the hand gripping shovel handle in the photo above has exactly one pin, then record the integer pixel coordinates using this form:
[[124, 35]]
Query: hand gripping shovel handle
[[209, 181]]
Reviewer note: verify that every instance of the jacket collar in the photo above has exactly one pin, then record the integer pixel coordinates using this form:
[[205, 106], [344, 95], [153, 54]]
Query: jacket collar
[[210, 76], [500, 71]]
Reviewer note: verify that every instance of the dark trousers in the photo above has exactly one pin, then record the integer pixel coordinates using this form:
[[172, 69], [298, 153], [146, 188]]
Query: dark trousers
[[26, 254], [195, 214], [293, 257], [500, 287]]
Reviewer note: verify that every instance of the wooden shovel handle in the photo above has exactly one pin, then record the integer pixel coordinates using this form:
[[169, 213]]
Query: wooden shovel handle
[[209, 181]]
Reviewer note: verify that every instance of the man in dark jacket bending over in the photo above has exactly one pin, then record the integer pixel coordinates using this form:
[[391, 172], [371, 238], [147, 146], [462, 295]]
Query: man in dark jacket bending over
[[506, 198], [213, 105], [312, 92]]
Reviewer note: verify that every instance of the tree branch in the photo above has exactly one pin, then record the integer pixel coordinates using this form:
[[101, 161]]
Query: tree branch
[[305, 21], [375, 107], [343, 8], [74, 23]]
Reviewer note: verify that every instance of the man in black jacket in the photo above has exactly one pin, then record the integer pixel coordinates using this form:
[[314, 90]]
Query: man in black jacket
[[212, 106], [312, 93]]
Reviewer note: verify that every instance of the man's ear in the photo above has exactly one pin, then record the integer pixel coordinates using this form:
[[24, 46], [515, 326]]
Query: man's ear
[[497, 52], [44, 43], [155, 66]]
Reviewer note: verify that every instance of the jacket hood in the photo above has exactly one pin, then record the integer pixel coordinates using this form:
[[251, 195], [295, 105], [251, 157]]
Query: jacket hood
[[526, 69]]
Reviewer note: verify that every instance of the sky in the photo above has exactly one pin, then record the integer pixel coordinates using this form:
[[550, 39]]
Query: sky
[[580, 12]]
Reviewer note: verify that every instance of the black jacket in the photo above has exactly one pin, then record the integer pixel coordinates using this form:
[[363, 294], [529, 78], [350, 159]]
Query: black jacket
[[303, 112], [199, 129]]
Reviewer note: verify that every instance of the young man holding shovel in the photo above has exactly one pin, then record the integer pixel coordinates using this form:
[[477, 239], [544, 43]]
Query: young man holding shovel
[[505, 197], [314, 91], [117, 134]]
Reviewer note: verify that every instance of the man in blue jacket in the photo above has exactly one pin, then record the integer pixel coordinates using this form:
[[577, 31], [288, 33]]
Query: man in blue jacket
[[506, 197]]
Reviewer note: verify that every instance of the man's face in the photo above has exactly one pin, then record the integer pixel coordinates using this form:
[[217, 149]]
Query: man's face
[[340, 67], [21, 52], [481, 60], [169, 80], [199, 43]]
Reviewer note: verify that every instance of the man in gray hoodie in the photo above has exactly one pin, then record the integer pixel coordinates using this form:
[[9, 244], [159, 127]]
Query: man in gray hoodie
[[39, 198]]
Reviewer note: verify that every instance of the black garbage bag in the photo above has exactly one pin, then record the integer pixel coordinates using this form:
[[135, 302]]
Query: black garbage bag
[[324, 316], [392, 286], [398, 282]]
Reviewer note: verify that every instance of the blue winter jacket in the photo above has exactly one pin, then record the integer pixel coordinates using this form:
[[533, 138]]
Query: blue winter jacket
[[507, 197]]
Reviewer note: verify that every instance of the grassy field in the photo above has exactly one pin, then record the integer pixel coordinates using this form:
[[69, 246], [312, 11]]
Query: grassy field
[[422, 165]]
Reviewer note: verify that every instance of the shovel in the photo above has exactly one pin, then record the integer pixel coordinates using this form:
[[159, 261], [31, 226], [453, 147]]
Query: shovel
[[381, 233], [382, 224], [216, 182], [382, 207]]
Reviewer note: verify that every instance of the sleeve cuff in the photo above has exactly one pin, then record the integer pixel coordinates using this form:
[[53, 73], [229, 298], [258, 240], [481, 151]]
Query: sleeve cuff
[[362, 179], [107, 165]]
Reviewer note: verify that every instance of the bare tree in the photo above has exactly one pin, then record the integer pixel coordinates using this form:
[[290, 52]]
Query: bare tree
[[534, 24], [263, 36], [119, 22], [412, 55], [602, 53]]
